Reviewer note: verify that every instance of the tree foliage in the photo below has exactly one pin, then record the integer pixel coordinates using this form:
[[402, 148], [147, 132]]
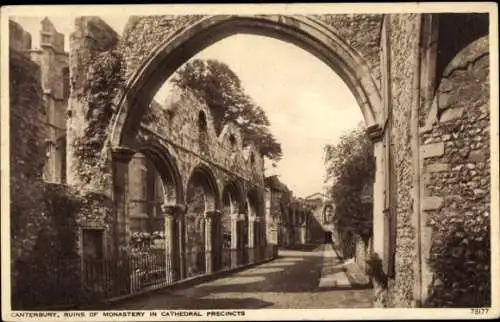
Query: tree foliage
[[215, 83], [350, 166]]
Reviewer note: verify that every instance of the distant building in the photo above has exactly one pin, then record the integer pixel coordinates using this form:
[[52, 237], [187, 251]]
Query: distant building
[[289, 220], [53, 62]]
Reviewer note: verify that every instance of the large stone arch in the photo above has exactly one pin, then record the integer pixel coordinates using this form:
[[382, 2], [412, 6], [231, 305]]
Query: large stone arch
[[233, 201], [166, 165], [233, 190], [209, 184], [306, 32]]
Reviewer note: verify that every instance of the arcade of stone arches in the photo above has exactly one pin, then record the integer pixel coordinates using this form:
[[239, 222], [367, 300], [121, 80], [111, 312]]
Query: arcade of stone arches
[[207, 231]]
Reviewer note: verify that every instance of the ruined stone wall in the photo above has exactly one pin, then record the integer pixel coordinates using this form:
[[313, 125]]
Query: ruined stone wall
[[177, 126], [95, 78], [143, 33], [404, 37], [19, 39], [362, 33], [45, 218], [272, 222], [27, 156], [456, 183]]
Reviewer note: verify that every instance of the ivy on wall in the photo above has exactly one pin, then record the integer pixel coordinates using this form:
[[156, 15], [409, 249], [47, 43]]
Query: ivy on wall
[[52, 266], [102, 83]]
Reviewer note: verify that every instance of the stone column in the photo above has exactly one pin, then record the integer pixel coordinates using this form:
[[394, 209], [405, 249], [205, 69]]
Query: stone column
[[379, 190], [251, 239], [234, 239], [210, 217], [120, 159], [303, 233], [172, 215], [379, 246], [181, 228]]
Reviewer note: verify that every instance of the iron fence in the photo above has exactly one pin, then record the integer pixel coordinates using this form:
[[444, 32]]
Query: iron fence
[[33, 279], [93, 280], [112, 277]]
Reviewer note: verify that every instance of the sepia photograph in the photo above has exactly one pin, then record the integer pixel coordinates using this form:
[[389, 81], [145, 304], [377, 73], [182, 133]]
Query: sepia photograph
[[238, 162]]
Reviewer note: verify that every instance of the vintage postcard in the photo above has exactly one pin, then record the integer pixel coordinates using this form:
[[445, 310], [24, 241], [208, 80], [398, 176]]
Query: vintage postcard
[[250, 162]]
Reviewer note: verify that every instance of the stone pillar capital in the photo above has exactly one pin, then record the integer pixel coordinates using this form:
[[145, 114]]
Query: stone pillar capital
[[212, 213], [254, 218], [173, 210], [122, 154], [375, 132]]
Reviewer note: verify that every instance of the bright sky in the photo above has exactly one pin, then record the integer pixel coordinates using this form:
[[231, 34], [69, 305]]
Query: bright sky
[[307, 104]]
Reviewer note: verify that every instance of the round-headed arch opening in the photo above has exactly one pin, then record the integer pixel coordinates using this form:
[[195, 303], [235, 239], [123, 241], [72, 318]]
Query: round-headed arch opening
[[153, 180], [307, 33]]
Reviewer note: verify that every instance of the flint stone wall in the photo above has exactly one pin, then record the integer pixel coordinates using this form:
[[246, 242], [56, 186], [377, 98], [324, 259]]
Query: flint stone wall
[[456, 183]]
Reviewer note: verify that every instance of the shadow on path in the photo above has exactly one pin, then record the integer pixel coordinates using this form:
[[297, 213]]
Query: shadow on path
[[290, 281]]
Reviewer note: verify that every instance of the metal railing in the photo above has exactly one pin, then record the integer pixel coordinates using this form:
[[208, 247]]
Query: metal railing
[[113, 277], [32, 281]]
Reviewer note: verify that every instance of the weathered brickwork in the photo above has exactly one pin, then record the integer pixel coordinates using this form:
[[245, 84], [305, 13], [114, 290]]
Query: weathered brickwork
[[404, 48], [457, 239]]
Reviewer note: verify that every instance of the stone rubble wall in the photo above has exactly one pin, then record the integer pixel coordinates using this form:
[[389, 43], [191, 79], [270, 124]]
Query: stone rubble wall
[[403, 57], [362, 33], [27, 153], [90, 43], [177, 125], [455, 155], [142, 34]]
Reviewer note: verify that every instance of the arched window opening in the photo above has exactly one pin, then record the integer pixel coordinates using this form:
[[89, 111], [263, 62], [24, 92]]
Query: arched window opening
[[202, 122], [203, 132], [232, 142], [227, 211]]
